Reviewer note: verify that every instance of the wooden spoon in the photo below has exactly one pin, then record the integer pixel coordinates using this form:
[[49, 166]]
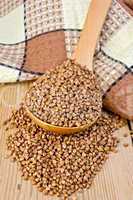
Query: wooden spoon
[[83, 55]]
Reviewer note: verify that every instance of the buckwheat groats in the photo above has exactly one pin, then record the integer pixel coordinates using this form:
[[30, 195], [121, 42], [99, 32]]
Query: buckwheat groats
[[67, 96], [60, 165]]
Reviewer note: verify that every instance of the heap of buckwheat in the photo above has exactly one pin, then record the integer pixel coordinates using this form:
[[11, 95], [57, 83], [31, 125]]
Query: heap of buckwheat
[[67, 96], [60, 165]]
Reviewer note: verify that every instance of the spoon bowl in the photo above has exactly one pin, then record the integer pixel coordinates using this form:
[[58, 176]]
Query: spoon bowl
[[58, 129]]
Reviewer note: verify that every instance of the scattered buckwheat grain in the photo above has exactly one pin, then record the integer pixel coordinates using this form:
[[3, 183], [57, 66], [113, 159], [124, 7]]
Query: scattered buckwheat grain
[[125, 135], [60, 165], [68, 96], [125, 144]]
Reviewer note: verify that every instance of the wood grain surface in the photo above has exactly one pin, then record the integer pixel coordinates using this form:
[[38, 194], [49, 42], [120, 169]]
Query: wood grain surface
[[131, 125], [114, 182]]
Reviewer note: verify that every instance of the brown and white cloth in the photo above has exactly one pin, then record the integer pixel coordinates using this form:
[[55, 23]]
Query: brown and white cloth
[[36, 35]]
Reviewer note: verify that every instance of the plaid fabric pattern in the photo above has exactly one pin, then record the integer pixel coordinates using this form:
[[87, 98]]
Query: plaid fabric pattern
[[71, 39], [107, 70], [7, 6], [12, 55], [115, 19], [42, 17], [26, 76]]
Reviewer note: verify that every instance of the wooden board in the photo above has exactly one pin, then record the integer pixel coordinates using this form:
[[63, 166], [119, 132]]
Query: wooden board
[[114, 182], [131, 125]]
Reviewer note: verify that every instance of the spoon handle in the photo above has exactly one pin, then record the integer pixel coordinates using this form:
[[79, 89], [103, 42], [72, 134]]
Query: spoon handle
[[85, 50]]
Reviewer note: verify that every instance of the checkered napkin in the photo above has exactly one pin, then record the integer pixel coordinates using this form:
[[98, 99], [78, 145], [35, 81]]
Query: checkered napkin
[[36, 35]]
